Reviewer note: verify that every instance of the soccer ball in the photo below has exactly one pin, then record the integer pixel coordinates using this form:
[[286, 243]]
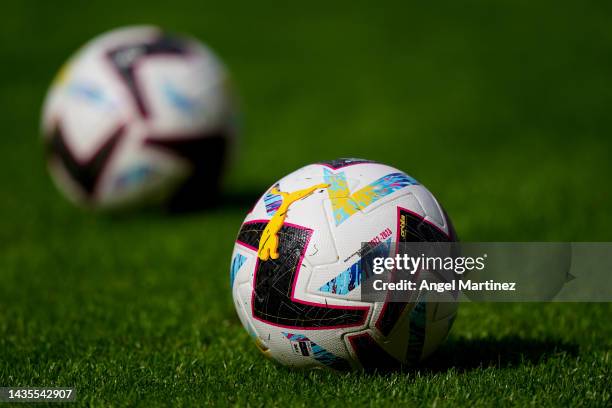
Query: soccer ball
[[138, 116], [295, 270]]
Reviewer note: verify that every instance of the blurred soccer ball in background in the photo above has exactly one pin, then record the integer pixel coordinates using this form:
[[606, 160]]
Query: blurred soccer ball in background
[[138, 116], [295, 269]]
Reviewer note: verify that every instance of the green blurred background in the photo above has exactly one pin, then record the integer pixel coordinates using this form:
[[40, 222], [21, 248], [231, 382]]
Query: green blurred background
[[500, 108]]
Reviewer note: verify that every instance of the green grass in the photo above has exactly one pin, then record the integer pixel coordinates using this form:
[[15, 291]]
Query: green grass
[[502, 110]]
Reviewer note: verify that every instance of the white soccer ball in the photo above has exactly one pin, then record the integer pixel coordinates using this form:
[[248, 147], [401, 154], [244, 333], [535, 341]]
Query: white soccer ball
[[139, 116], [295, 270]]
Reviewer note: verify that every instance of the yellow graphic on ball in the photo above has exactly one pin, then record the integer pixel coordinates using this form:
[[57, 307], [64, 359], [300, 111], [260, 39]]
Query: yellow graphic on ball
[[61, 78], [268, 243]]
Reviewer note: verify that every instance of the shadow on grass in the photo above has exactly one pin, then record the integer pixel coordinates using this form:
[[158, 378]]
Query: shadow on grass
[[240, 200], [468, 354], [463, 355], [231, 201]]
